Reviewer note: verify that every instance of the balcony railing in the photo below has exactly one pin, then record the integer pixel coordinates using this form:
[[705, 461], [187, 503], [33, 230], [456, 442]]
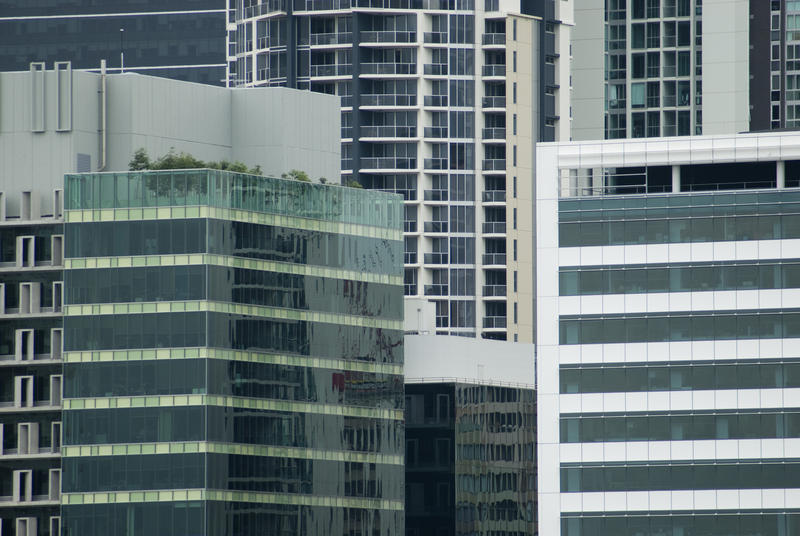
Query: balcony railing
[[436, 163], [436, 290], [435, 227], [388, 100], [494, 196], [343, 38], [435, 132], [435, 100], [410, 257], [494, 290], [388, 68], [332, 70], [410, 226], [494, 102], [388, 162], [494, 227], [435, 69], [388, 36], [435, 37], [494, 133], [494, 259], [494, 322], [494, 70], [435, 258], [494, 164], [390, 131], [494, 39], [436, 195]]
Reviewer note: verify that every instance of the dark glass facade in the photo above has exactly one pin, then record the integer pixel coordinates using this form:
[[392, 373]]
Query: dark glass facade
[[183, 39], [233, 357], [470, 453]]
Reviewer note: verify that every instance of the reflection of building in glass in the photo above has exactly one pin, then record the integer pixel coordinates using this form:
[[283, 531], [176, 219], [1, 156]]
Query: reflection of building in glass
[[201, 387], [669, 336], [181, 39], [470, 443], [442, 102]]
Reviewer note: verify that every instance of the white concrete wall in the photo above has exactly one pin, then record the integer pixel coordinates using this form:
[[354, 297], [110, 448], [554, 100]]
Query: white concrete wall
[[588, 70], [726, 66], [429, 357], [277, 128]]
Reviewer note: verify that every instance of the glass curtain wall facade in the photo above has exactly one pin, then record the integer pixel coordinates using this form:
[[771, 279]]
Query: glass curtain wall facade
[[470, 451], [669, 340], [233, 358], [182, 39], [423, 86]]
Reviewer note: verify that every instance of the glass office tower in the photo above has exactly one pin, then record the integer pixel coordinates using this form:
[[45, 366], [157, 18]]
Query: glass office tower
[[233, 356]]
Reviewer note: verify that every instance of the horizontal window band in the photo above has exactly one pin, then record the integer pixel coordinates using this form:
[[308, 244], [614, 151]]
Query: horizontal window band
[[231, 355], [70, 404], [668, 426], [688, 277], [245, 216], [125, 497], [229, 308], [694, 513], [682, 413], [726, 324], [187, 447], [229, 262], [778, 373]]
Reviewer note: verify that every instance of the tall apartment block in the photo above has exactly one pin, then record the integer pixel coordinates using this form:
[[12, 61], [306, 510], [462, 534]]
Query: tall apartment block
[[31, 341], [442, 101], [669, 336], [181, 39], [651, 68], [233, 356], [470, 439]]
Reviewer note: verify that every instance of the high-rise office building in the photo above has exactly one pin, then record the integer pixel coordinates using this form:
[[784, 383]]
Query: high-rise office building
[[651, 68], [60, 121], [442, 101], [470, 437], [183, 39], [667, 359], [233, 356]]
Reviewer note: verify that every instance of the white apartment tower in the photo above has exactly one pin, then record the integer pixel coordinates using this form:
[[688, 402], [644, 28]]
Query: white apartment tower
[[442, 101]]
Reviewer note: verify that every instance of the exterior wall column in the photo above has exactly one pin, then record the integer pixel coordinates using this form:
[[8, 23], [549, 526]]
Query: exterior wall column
[[676, 179], [780, 174]]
